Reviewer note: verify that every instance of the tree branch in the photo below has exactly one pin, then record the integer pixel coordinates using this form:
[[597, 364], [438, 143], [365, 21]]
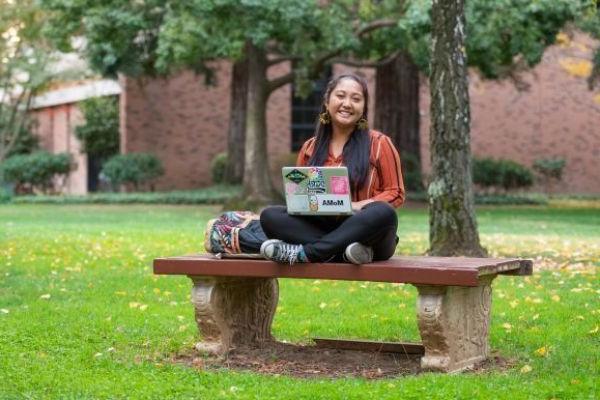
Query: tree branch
[[352, 62], [277, 60], [278, 82], [374, 25]]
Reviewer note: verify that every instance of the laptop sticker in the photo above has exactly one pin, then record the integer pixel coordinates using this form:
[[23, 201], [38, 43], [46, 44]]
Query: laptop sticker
[[332, 202], [292, 188], [313, 202], [298, 203], [316, 181], [296, 176], [339, 185]]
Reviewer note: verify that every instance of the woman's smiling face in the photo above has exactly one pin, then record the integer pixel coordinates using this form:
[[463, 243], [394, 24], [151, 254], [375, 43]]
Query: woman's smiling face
[[346, 103]]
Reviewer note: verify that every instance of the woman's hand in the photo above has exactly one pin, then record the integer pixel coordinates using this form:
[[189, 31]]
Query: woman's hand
[[358, 205]]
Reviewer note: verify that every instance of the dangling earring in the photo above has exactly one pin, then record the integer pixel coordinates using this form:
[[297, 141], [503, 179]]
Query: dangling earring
[[362, 124], [324, 118]]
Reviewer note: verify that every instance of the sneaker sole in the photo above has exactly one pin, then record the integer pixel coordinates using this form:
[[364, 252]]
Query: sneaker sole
[[364, 257]]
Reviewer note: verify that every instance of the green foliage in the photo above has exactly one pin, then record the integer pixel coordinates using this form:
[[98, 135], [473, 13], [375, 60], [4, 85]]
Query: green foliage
[[218, 168], [550, 168], [121, 35], [495, 199], [25, 141], [502, 36], [590, 23], [211, 195], [5, 194], [24, 58], [506, 174], [35, 170], [411, 171], [99, 134], [132, 168]]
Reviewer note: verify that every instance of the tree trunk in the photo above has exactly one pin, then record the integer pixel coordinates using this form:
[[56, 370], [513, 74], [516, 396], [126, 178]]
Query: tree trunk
[[257, 181], [452, 225], [397, 103], [237, 122]]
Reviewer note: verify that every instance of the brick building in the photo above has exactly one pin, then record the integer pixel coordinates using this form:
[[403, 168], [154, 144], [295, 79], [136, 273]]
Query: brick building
[[185, 123]]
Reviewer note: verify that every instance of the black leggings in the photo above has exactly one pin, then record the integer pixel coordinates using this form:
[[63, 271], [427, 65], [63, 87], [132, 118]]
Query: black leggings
[[325, 238]]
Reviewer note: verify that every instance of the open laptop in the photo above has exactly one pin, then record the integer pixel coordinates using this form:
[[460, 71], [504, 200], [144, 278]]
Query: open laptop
[[317, 190]]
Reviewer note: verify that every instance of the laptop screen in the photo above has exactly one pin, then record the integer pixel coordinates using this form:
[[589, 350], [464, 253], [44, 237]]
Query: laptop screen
[[317, 190]]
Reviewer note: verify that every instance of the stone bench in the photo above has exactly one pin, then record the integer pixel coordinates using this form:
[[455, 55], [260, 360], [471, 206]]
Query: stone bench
[[235, 299]]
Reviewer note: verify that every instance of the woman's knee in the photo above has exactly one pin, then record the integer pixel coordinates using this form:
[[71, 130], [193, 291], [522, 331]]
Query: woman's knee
[[270, 217], [382, 213]]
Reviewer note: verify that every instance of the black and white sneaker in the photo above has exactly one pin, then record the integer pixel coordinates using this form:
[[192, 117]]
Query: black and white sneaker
[[358, 253], [282, 252]]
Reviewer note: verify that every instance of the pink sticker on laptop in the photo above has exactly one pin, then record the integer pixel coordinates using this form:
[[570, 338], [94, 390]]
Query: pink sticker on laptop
[[291, 188], [339, 185]]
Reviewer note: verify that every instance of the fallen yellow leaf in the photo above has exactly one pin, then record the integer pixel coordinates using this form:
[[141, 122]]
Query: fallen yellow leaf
[[595, 330], [556, 298], [542, 351], [526, 369]]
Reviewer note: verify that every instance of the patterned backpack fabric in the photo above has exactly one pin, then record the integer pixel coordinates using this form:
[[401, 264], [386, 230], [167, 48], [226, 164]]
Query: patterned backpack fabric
[[234, 232]]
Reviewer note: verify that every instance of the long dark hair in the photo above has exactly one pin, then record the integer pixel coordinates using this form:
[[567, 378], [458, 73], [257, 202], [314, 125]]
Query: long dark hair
[[356, 150]]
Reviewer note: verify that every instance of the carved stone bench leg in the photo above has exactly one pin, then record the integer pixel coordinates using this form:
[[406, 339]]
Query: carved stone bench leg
[[454, 325], [233, 312]]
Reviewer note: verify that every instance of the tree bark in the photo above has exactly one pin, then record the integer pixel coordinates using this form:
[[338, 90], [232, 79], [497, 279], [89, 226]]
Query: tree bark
[[237, 122], [397, 102], [452, 224], [258, 187]]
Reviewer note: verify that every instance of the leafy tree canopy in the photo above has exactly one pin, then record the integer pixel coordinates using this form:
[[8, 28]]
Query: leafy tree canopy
[[100, 132], [503, 36], [590, 23], [120, 35], [24, 58]]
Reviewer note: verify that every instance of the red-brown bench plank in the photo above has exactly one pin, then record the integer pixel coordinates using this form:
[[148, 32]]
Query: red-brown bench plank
[[455, 271]]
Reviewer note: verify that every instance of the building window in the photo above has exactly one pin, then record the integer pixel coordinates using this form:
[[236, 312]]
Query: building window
[[306, 111]]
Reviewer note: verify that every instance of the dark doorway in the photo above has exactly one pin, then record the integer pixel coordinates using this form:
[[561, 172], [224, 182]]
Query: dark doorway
[[305, 111], [94, 168]]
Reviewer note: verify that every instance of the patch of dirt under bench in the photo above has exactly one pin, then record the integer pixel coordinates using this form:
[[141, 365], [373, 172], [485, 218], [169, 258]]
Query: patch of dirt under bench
[[307, 361]]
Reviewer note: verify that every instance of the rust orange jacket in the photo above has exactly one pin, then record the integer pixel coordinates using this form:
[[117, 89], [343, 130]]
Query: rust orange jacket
[[384, 181]]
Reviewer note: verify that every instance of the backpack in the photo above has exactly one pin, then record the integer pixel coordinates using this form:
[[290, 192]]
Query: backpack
[[234, 232]]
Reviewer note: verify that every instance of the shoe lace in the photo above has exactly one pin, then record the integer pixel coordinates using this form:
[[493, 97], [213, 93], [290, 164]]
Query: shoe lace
[[288, 253]]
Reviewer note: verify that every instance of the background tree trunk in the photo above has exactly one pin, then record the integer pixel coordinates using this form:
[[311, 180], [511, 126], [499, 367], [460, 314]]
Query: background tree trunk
[[452, 224], [257, 181], [397, 103], [237, 122]]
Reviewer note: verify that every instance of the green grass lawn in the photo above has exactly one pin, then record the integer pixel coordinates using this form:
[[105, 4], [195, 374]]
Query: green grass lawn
[[82, 316]]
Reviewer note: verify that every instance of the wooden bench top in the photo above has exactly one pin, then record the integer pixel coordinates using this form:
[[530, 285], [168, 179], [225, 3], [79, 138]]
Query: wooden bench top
[[449, 271]]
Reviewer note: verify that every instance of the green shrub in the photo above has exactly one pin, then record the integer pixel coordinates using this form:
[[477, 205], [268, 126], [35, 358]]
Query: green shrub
[[36, 170], [218, 194], [550, 168], [133, 168], [218, 168], [411, 171], [506, 174], [5, 195]]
